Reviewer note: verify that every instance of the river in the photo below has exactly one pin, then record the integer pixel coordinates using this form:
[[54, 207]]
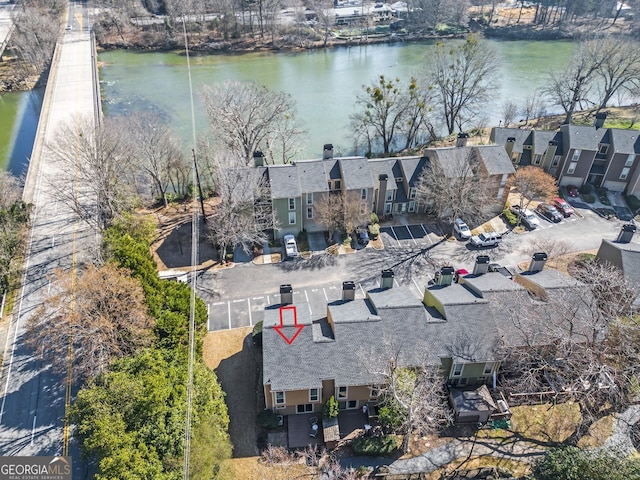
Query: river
[[323, 83]]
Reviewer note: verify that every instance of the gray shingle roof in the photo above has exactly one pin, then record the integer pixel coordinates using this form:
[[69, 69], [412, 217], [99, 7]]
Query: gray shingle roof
[[541, 139], [332, 169], [311, 176], [625, 256], [380, 166], [495, 159], [522, 137], [284, 181], [580, 137], [412, 168], [625, 141], [450, 159], [356, 173]]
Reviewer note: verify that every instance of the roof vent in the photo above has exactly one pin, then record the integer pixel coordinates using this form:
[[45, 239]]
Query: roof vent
[[482, 265], [537, 262], [387, 279], [626, 234], [444, 276], [286, 294], [348, 291], [327, 152]]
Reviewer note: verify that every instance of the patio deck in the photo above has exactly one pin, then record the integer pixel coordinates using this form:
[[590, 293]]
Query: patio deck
[[351, 420], [298, 428]]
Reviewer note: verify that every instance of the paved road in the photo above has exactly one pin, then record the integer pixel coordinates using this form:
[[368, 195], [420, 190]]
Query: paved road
[[237, 296], [32, 397]]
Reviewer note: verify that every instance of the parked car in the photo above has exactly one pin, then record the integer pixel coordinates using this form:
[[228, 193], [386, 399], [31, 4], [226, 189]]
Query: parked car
[[549, 212], [526, 216], [290, 246], [362, 235], [488, 239], [572, 191], [461, 228], [563, 206]]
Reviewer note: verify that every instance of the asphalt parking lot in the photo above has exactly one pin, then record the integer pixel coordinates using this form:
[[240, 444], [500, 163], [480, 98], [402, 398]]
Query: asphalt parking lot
[[419, 235]]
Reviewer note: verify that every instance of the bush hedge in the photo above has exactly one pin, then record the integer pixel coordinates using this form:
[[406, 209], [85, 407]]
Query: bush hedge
[[374, 446], [589, 198], [511, 219], [586, 188]]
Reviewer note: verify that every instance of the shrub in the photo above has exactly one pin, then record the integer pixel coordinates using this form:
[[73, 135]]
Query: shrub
[[511, 219], [267, 419], [374, 218], [589, 198], [587, 188], [374, 446], [330, 408], [392, 415], [374, 231]]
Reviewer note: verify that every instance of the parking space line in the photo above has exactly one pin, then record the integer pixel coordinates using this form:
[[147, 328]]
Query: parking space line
[[415, 283], [325, 295], [411, 234], [257, 298], [250, 318], [308, 304], [394, 235], [426, 234], [229, 313], [395, 280], [217, 303], [362, 289]]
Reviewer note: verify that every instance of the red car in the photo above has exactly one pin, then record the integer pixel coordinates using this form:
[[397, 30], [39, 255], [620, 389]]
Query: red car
[[563, 206], [572, 190]]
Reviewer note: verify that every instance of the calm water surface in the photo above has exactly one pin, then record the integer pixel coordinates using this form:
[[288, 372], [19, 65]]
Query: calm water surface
[[19, 113], [323, 83]]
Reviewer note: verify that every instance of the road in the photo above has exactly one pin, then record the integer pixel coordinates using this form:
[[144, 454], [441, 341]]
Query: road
[[237, 296], [32, 396]]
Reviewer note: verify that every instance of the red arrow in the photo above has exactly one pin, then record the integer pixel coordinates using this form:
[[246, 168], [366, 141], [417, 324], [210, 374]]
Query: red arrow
[[278, 328]]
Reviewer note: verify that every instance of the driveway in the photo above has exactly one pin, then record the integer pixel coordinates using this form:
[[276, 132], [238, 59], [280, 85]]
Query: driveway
[[417, 235], [317, 242]]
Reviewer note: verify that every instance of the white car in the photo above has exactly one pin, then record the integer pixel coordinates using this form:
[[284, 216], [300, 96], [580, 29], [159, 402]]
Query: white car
[[461, 228], [488, 239], [530, 220], [290, 246]]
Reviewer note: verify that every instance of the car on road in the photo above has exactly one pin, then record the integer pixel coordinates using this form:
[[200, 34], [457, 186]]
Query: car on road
[[526, 216], [362, 235], [549, 212], [487, 239], [290, 246], [461, 228], [572, 191], [563, 206], [68, 27]]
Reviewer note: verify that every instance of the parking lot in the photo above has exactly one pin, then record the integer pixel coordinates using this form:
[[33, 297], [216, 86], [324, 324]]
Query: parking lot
[[419, 235]]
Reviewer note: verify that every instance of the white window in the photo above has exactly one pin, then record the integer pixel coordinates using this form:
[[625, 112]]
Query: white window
[[457, 369], [572, 167], [342, 393], [309, 213], [363, 194], [292, 218], [488, 368], [304, 408], [398, 179], [630, 159], [602, 149], [313, 394], [292, 204], [389, 196], [576, 155], [537, 159], [309, 198], [412, 206], [387, 208], [625, 173], [279, 396], [412, 193]]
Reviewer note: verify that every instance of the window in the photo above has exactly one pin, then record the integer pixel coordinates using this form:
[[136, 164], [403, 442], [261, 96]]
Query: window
[[363, 194], [457, 369], [389, 196], [352, 404], [630, 159], [304, 408], [602, 149], [387, 208], [292, 204], [572, 167], [374, 391], [309, 213], [292, 218], [398, 179], [313, 394], [537, 159], [488, 368], [576, 155], [625, 173], [412, 193], [337, 185], [309, 198], [342, 392], [556, 160], [412, 206], [279, 398]]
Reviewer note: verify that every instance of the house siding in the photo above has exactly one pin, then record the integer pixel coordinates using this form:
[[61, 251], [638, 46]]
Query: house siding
[[281, 213]]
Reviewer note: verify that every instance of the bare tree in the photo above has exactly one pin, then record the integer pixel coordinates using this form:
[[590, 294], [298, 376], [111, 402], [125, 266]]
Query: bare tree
[[457, 189], [356, 211], [328, 212], [534, 107], [244, 215], [509, 112], [533, 183], [248, 117], [95, 178], [463, 76], [553, 247], [101, 315], [14, 214]]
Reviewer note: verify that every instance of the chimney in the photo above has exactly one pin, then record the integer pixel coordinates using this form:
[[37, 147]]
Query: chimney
[[626, 234], [387, 279], [599, 121], [382, 194], [444, 276], [286, 294], [348, 291], [537, 262], [258, 159], [482, 265], [509, 145], [461, 141], [327, 152]]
